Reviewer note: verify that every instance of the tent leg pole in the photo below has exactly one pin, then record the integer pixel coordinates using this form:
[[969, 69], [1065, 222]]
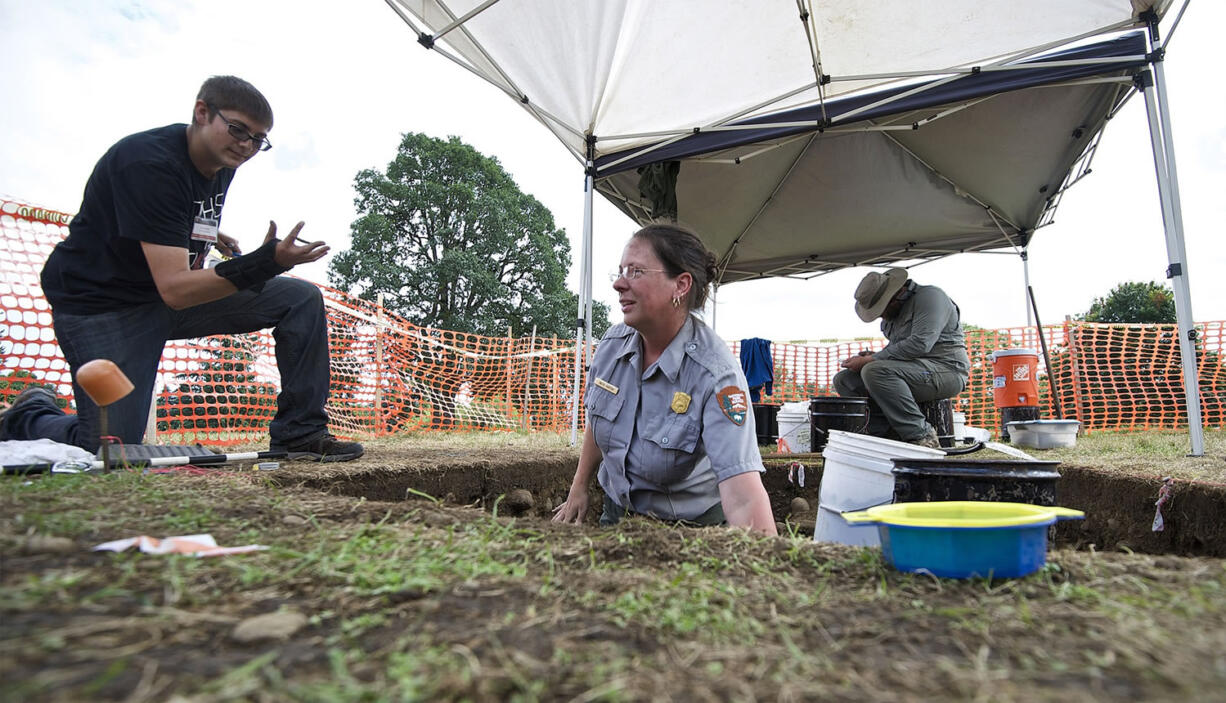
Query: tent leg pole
[[1026, 281], [1168, 193], [574, 402], [583, 323]]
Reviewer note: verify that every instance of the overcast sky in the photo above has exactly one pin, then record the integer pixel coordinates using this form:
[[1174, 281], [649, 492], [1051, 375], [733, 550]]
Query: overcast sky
[[347, 79]]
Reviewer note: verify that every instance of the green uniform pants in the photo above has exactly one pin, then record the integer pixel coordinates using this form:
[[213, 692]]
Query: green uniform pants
[[895, 389]]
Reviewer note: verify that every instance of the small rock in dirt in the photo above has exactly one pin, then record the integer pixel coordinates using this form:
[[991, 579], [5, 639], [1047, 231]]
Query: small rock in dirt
[[519, 501], [294, 520], [799, 506], [45, 544], [270, 626]]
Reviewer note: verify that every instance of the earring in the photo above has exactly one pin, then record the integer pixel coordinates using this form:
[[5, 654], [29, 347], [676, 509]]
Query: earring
[[676, 301]]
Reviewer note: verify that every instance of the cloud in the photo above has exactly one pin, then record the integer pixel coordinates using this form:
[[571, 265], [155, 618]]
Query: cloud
[[298, 153]]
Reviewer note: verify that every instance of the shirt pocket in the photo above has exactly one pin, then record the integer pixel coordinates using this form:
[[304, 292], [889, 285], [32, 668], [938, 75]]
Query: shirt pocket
[[668, 449], [602, 410]]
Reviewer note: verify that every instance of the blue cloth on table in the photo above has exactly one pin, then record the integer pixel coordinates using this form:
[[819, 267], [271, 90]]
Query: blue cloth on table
[[758, 367]]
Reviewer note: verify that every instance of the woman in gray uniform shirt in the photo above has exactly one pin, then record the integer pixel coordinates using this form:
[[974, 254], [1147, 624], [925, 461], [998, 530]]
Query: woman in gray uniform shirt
[[669, 428]]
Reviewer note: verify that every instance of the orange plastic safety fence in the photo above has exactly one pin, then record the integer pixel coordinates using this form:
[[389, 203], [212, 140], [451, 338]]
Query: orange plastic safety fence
[[1111, 377], [390, 376]]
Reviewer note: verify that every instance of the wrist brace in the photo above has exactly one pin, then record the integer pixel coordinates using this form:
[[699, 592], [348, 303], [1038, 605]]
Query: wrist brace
[[251, 271]]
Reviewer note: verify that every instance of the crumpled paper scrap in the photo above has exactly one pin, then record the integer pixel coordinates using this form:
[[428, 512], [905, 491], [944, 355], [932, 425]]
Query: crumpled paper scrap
[[1164, 495], [195, 545]]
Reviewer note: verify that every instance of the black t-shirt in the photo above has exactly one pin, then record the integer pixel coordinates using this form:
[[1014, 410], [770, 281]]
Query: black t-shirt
[[144, 189]]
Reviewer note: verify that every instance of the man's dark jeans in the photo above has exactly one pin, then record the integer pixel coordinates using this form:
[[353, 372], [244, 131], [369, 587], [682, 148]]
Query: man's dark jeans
[[133, 338]]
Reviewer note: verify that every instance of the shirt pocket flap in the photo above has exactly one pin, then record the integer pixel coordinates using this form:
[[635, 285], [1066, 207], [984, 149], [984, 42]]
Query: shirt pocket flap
[[604, 404], [679, 434]]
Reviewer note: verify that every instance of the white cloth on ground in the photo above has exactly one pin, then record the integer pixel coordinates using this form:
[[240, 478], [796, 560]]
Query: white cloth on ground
[[20, 452]]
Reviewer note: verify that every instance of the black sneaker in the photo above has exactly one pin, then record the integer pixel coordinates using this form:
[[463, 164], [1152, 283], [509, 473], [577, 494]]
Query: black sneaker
[[28, 395], [325, 448]]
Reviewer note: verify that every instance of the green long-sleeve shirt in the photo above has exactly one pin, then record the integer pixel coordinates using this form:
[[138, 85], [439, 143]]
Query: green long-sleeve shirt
[[928, 328]]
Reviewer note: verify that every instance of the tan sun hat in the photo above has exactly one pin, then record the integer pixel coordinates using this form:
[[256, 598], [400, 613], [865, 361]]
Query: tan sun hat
[[876, 290]]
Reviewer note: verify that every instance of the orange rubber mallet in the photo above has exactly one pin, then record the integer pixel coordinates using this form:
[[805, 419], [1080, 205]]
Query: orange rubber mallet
[[105, 383]]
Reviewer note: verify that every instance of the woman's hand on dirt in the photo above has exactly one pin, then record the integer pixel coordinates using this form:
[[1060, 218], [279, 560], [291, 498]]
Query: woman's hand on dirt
[[572, 511], [289, 253]]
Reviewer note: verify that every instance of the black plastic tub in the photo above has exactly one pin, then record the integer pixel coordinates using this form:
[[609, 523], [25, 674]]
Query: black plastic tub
[[1022, 414], [766, 419], [927, 480], [836, 413]]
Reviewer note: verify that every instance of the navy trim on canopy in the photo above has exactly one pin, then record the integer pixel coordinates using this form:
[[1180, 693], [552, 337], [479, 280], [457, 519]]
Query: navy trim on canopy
[[967, 87]]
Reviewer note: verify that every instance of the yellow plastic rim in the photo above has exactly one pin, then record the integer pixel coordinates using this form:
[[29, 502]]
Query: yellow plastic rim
[[961, 513]]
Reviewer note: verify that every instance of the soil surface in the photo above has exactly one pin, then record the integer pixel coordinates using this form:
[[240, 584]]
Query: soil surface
[[1119, 507], [434, 574]]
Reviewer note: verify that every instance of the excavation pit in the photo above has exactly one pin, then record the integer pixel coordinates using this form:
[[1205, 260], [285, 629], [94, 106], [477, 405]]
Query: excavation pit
[[519, 482]]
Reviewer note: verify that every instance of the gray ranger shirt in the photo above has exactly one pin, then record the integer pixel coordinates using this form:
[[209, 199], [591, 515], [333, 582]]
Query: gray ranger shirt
[[670, 433]]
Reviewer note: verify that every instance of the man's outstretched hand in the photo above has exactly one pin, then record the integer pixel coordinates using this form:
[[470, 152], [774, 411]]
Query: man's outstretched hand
[[289, 253]]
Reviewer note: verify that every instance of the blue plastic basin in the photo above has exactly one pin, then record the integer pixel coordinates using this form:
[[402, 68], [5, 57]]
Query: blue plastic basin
[[964, 552], [963, 539]]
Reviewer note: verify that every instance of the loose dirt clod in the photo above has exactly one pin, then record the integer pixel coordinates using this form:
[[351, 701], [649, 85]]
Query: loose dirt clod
[[270, 626], [519, 501], [799, 506], [45, 544]]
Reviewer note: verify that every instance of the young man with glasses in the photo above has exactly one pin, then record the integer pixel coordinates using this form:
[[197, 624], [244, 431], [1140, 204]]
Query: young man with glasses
[[131, 275]]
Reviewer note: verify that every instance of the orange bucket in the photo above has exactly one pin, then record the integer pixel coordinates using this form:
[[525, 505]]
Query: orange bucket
[[1015, 382]]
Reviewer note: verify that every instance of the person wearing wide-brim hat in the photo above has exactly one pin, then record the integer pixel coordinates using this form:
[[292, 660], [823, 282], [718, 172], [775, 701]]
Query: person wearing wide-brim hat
[[925, 358]]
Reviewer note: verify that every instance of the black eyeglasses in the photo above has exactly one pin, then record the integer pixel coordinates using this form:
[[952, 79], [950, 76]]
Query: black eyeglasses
[[241, 134]]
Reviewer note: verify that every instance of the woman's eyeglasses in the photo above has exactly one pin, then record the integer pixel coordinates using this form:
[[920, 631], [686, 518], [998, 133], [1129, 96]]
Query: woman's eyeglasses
[[631, 273]]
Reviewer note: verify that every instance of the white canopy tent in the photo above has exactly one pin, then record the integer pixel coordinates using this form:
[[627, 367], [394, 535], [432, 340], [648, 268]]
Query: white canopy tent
[[812, 136]]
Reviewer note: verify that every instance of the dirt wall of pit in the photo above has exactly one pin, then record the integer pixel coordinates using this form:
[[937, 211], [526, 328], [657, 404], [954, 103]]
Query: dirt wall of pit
[[1119, 508], [1120, 513]]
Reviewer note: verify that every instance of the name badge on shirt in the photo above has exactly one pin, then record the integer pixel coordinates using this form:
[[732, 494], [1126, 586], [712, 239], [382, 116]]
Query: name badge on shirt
[[204, 230], [601, 383]]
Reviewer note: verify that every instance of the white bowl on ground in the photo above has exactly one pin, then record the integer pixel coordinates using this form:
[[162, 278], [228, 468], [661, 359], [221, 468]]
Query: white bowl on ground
[[1044, 434]]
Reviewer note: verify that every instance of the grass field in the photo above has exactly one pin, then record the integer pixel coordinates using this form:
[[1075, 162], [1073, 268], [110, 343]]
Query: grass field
[[423, 600]]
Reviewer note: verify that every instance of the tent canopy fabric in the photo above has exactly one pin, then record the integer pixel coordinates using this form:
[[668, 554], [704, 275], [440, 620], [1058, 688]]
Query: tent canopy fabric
[[628, 71], [975, 163], [793, 120]]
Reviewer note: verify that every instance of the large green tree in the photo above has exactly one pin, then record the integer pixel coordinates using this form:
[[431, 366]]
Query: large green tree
[[1134, 302], [446, 234]]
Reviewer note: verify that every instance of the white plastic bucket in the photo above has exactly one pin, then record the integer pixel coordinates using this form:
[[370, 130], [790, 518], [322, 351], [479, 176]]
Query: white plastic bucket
[[857, 474], [794, 431], [959, 426]]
